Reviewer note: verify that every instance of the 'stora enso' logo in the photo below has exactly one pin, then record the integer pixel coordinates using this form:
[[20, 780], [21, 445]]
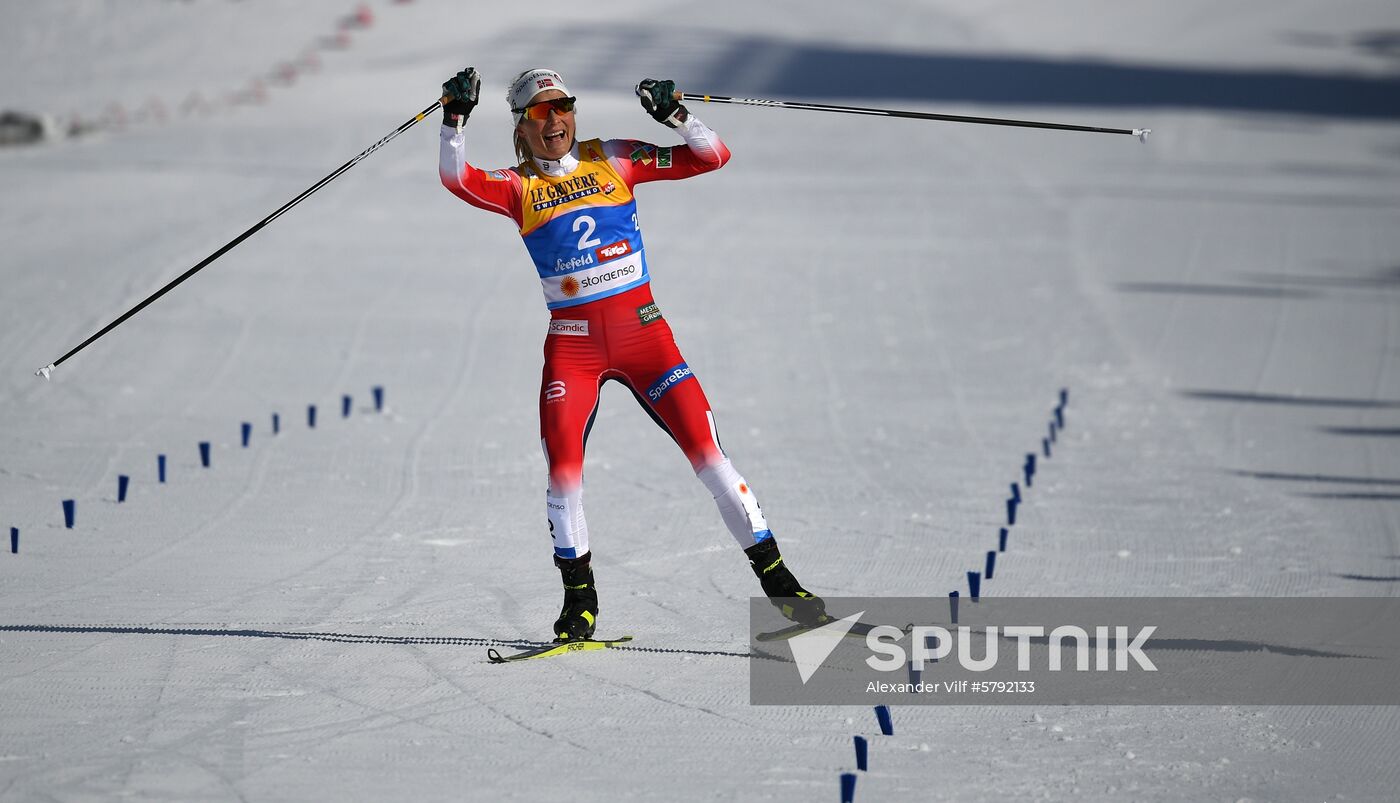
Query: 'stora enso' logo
[[613, 251]]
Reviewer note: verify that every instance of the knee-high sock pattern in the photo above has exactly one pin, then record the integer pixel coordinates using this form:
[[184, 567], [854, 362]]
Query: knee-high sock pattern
[[567, 525], [737, 503]]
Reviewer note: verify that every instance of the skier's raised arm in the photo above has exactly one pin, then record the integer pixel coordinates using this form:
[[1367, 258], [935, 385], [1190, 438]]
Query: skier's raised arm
[[494, 190], [640, 162]]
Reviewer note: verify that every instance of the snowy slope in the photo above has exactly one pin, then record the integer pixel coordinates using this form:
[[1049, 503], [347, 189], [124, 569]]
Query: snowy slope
[[883, 313]]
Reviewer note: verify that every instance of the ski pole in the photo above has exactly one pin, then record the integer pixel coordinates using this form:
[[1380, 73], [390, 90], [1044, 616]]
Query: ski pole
[[1140, 133], [48, 369]]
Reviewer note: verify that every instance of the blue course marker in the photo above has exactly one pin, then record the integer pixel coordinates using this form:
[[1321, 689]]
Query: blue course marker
[[931, 643], [1045, 446], [1016, 492], [1030, 468], [882, 715], [1060, 417], [1001, 539], [862, 753], [848, 787], [991, 564], [1010, 512], [345, 404], [70, 512], [14, 540], [974, 585], [204, 453], [160, 468], [1064, 396], [953, 607], [276, 424], [123, 482], [247, 432], [311, 416], [378, 391], [1052, 431]]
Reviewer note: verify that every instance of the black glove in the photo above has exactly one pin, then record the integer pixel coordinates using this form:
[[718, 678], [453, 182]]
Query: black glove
[[461, 92], [659, 99]]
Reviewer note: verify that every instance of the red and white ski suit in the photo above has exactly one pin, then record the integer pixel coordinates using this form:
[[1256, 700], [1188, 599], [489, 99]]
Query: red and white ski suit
[[578, 219]]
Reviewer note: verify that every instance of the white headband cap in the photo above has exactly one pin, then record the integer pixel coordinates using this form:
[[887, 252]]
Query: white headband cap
[[529, 84]]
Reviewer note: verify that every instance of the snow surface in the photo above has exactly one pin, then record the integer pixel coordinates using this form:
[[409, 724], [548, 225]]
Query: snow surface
[[882, 312]]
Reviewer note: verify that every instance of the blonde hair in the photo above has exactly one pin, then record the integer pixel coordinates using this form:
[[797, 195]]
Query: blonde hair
[[522, 148]]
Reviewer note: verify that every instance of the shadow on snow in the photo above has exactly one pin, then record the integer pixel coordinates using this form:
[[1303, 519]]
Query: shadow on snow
[[761, 66]]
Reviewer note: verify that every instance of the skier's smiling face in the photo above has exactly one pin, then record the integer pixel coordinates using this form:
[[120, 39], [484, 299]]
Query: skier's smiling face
[[553, 136]]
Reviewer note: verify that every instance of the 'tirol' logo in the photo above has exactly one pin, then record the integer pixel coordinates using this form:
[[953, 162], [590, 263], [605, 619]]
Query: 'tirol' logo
[[613, 251]]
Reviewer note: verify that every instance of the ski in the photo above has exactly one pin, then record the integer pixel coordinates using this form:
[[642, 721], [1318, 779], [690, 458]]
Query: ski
[[551, 650]]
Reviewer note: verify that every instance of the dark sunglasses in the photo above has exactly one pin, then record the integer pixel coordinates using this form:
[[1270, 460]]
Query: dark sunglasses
[[540, 110]]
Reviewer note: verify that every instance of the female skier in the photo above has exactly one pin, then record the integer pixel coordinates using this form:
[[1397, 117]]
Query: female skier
[[572, 202]]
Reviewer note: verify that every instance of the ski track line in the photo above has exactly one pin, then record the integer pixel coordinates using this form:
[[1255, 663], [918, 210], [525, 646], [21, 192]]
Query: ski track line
[[669, 703], [110, 575], [428, 663], [633, 568], [332, 601], [372, 717], [251, 487], [834, 396], [1166, 331], [338, 201], [945, 364], [142, 435], [1089, 289], [208, 385], [1237, 437], [76, 331], [151, 720], [172, 750], [1279, 310], [875, 493], [1169, 322], [1388, 513], [1040, 463], [471, 338], [1391, 515], [1056, 203], [127, 289], [22, 344], [123, 762]]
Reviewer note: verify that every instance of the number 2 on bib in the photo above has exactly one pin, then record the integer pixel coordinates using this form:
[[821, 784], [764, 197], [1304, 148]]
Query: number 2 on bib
[[589, 225]]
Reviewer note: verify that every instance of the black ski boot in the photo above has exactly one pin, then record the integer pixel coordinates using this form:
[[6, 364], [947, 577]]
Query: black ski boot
[[787, 595], [580, 612]]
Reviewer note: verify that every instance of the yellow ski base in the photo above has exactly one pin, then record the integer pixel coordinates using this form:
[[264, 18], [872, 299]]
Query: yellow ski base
[[551, 650]]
